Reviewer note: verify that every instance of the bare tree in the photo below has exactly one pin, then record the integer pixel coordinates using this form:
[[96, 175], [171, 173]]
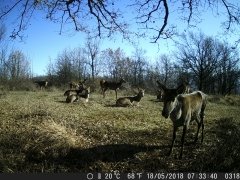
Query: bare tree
[[17, 66], [138, 66], [199, 54], [117, 64], [70, 65], [227, 73], [107, 17], [92, 51], [3, 54]]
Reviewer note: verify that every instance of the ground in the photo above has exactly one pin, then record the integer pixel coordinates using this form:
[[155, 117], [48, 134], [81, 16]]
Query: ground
[[39, 132]]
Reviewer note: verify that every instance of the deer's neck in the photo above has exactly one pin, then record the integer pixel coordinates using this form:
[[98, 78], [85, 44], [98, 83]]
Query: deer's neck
[[135, 98], [118, 85]]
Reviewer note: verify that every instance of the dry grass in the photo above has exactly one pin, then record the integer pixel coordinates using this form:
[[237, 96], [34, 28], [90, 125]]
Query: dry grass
[[39, 132]]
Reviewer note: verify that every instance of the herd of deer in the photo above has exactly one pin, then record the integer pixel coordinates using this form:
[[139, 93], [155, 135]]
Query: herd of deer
[[179, 104]]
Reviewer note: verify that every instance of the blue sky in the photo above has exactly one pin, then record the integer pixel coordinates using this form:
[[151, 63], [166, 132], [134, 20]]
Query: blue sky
[[43, 41]]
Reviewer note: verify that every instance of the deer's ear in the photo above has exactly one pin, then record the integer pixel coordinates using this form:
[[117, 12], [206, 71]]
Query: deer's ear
[[161, 86]]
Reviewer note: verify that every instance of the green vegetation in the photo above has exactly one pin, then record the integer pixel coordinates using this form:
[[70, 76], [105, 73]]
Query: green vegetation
[[39, 132]]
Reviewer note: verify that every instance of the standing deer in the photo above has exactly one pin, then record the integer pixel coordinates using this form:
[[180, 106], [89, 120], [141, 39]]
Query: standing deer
[[160, 95], [41, 84], [105, 85], [128, 101], [184, 87], [182, 109], [75, 97]]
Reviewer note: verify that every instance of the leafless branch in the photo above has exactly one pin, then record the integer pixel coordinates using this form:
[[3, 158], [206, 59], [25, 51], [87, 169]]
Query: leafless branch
[[70, 14], [165, 21], [230, 11], [152, 15], [10, 9], [20, 26]]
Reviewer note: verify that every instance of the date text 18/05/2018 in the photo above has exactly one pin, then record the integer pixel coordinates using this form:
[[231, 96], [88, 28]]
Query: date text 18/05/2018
[[193, 176]]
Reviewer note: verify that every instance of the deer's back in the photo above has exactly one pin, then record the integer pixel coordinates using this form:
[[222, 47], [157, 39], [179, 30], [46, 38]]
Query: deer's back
[[124, 102], [190, 104]]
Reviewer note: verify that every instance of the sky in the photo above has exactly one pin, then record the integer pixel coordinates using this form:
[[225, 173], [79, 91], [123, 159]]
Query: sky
[[43, 42]]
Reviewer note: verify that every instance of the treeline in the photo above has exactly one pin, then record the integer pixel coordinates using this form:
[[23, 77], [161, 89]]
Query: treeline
[[206, 63]]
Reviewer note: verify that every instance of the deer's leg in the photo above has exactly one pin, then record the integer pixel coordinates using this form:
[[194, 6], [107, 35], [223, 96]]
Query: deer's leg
[[101, 90], [116, 93], [182, 140], [199, 125], [173, 140], [202, 132], [202, 116], [104, 92]]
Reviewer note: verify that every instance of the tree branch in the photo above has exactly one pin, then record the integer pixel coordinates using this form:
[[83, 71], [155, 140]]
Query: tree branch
[[231, 16], [165, 21]]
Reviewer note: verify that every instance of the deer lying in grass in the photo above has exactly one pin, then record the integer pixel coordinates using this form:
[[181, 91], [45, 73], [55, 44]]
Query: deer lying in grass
[[81, 86], [41, 84], [75, 97], [182, 109], [105, 85], [128, 101]]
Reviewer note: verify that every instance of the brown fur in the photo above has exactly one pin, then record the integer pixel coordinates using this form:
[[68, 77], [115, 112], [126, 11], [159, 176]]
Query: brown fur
[[182, 109], [105, 85], [72, 98], [184, 88], [79, 95], [128, 101], [42, 84], [78, 86]]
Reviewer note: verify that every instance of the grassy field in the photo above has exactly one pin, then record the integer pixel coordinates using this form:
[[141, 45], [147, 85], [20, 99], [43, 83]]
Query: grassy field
[[39, 132]]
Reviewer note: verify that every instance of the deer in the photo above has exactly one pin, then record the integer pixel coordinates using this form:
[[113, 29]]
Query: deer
[[184, 87], [75, 97], [160, 95], [105, 85], [81, 86], [74, 85], [41, 84], [128, 101], [182, 109]]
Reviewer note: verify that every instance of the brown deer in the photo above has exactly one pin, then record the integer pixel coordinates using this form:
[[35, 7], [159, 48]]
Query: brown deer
[[80, 87], [160, 95], [184, 87], [75, 97], [105, 85], [182, 109], [128, 101], [41, 84]]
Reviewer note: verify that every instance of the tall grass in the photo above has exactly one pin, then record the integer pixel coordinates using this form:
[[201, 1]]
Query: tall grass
[[39, 132]]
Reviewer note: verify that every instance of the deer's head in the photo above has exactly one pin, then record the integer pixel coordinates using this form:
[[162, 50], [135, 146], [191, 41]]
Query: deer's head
[[169, 96]]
